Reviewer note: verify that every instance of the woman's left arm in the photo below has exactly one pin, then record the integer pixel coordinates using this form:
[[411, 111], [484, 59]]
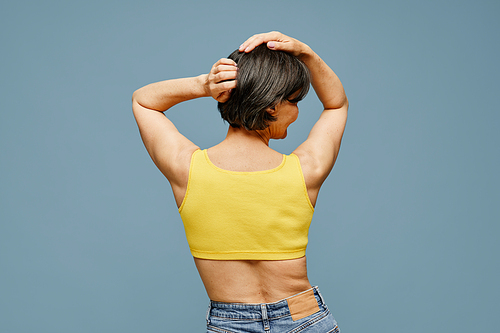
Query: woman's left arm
[[319, 152]]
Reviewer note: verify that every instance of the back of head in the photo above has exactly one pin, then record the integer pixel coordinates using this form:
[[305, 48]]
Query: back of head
[[265, 78]]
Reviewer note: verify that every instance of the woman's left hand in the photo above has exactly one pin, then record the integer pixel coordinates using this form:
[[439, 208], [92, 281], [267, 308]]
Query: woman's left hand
[[221, 79], [275, 41]]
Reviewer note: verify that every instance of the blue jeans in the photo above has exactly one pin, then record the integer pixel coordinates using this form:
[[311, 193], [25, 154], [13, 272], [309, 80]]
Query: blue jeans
[[305, 312]]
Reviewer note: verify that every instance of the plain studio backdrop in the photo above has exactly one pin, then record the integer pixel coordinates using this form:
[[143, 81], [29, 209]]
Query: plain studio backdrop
[[405, 237]]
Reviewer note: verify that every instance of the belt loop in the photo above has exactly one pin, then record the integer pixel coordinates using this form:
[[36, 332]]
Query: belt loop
[[319, 294], [208, 312], [265, 319]]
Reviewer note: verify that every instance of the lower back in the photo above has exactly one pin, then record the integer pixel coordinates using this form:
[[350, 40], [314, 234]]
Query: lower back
[[253, 281]]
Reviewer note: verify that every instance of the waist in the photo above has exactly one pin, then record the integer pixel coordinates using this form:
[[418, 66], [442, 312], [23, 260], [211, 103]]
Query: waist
[[252, 281], [295, 305]]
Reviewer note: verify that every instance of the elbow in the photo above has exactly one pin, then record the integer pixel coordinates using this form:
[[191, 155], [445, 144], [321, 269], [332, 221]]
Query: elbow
[[135, 95], [138, 98], [137, 101], [343, 101], [140, 95]]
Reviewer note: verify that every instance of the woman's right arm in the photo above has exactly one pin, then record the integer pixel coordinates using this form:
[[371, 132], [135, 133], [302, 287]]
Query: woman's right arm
[[319, 152], [169, 149]]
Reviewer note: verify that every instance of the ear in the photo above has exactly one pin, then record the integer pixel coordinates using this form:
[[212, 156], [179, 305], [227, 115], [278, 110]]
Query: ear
[[272, 110]]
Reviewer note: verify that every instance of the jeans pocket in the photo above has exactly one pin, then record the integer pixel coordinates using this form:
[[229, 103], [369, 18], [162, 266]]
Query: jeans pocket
[[322, 322]]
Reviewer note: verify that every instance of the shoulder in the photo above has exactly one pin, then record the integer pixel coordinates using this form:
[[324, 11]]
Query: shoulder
[[312, 169], [178, 172], [176, 169]]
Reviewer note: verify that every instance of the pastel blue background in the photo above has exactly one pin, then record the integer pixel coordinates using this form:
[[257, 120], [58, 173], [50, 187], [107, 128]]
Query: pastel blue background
[[406, 233]]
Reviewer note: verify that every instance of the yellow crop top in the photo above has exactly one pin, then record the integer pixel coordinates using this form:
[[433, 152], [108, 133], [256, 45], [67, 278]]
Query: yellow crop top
[[260, 215]]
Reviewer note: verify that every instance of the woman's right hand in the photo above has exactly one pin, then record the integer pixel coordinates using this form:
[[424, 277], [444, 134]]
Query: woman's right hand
[[221, 79]]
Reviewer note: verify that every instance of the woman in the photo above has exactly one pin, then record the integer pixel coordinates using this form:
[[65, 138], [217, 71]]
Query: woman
[[247, 208]]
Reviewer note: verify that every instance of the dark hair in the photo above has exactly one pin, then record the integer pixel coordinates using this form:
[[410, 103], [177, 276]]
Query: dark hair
[[265, 78]]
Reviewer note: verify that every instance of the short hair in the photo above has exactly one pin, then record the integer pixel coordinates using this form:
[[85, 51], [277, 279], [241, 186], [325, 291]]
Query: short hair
[[265, 78]]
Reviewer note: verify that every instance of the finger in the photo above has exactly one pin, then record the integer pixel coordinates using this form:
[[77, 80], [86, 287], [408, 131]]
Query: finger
[[225, 61], [258, 39], [291, 46], [225, 86], [224, 76], [222, 61], [280, 46], [254, 41], [222, 85], [224, 68], [223, 97]]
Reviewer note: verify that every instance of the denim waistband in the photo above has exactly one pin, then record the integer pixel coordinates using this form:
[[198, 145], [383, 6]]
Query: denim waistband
[[264, 311]]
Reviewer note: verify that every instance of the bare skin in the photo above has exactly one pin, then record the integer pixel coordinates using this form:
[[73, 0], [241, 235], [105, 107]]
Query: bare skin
[[250, 281], [246, 281], [253, 281]]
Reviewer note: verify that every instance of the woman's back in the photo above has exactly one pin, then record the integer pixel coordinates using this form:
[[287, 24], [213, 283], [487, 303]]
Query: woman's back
[[252, 281], [249, 281], [257, 91]]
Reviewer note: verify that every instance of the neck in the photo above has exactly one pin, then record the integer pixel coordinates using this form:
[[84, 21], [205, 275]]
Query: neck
[[257, 137]]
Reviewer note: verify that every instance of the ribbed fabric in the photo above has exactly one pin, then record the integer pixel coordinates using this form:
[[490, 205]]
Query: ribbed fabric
[[261, 215]]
